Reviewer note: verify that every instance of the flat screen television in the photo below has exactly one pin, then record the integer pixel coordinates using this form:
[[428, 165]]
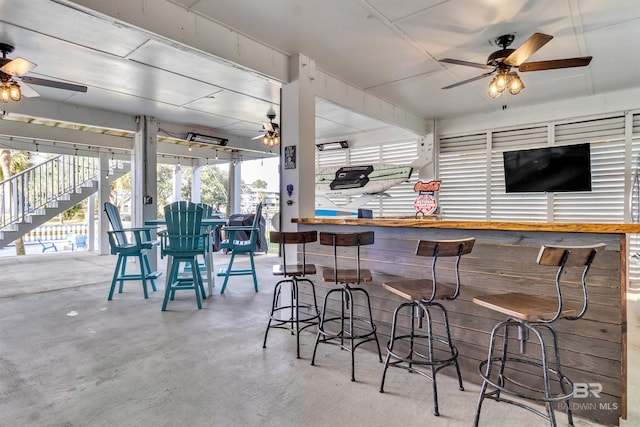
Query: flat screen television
[[562, 168]]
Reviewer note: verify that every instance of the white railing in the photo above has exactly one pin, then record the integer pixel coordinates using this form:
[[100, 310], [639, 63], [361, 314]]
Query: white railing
[[55, 232], [32, 189]]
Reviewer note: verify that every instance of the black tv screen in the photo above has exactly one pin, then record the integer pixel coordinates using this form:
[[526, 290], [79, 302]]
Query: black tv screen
[[564, 168]]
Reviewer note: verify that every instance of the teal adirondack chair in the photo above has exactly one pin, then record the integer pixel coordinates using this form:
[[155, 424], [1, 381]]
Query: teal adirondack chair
[[124, 248], [183, 241], [236, 246], [207, 212]]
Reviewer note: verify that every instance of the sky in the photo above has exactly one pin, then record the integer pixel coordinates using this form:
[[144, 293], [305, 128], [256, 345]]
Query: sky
[[264, 169]]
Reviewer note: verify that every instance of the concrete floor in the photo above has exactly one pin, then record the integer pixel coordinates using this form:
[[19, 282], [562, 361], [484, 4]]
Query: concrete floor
[[69, 357]]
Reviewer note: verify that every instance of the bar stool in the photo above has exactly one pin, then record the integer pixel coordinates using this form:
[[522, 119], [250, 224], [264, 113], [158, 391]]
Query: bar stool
[[426, 348], [534, 315], [294, 275], [346, 326]]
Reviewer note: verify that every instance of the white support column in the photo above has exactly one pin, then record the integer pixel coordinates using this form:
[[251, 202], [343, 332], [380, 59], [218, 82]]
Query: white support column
[[177, 183], [235, 181], [195, 182], [298, 131], [91, 225], [103, 196], [144, 188]]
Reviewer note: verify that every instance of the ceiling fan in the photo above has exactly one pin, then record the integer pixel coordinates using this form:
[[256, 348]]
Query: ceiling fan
[[270, 131], [501, 62], [15, 69]]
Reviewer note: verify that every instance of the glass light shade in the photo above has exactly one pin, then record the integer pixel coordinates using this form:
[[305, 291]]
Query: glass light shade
[[4, 94], [14, 91], [501, 81], [265, 140], [515, 84], [493, 89]]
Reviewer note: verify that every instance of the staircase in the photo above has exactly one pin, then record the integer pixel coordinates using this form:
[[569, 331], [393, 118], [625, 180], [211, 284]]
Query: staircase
[[38, 194]]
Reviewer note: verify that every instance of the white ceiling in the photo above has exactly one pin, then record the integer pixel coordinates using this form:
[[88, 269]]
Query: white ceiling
[[387, 48]]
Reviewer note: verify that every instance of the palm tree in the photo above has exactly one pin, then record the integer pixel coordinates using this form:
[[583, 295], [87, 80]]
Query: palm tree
[[12, 163]]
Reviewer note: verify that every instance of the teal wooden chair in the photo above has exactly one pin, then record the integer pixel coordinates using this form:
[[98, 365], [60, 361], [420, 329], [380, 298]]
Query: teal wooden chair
[[183, 241], [137, 248], [236, 244]]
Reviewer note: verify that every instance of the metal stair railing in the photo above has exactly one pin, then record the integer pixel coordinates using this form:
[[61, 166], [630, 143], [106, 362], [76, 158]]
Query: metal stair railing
[[35, 188]]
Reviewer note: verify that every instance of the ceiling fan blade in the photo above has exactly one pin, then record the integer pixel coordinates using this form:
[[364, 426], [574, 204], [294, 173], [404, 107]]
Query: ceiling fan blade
[[466, 63], [258, 137], [17, 67], [553, 64], [468, 80], [54, 84], [27, 91], [528, 48], [267, 126]]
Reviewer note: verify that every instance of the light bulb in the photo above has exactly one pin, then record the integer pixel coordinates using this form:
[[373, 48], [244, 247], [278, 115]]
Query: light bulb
[[515, 84], [501, 81], [493, 89], [4, 94], [14, 91]]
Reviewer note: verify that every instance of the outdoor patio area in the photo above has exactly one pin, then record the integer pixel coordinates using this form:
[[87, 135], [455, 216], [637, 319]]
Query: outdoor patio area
[[69, 357]]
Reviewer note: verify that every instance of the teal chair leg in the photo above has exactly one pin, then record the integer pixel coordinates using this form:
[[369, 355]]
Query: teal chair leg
[[253, 270], [175, 283], [149, 271], [143, 276], [227, 273], [197, 284], [168, 289], [121, 273], [115, 278]]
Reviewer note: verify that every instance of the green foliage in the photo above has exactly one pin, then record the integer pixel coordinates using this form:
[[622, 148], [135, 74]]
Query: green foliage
[[76, 212], [214, 185], [258, 183]]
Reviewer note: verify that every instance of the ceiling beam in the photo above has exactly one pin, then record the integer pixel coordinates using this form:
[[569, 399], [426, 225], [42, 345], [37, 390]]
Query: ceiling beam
[[179, 24], [37, 132], [355, 99], [63, 112]]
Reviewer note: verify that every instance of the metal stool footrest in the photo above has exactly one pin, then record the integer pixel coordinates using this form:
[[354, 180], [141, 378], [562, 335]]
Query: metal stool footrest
[[505, 384], [356, 330], [292, 310]]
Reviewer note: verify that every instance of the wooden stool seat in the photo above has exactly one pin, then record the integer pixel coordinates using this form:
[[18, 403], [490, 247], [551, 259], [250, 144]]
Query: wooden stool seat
[[529, 308], [294, 270], [420, 289], [346, 275]]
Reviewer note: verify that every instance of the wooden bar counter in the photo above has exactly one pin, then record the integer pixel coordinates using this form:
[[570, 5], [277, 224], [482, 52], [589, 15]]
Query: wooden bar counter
[[592, 349]]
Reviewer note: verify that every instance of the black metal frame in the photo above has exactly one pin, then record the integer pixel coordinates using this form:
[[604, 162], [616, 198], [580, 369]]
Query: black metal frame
[[355, 323], [294, 278], [418, 310]]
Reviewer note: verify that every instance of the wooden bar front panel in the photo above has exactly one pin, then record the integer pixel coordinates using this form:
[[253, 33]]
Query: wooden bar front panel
[[592, 349]]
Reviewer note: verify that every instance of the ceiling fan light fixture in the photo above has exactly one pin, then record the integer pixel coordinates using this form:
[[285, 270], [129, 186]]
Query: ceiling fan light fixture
[[505, 80], [271, 140]]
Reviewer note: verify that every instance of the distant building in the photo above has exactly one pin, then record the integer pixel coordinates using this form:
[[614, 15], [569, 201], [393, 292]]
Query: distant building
[[250, 196]]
